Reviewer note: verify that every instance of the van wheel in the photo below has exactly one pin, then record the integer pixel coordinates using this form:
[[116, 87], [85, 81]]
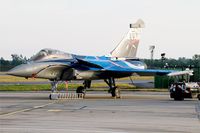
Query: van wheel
[[198, 96], [178, 99]]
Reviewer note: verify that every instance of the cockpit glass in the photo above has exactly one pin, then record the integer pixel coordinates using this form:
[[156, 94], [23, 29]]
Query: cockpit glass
[[50, 54], [139, 64]]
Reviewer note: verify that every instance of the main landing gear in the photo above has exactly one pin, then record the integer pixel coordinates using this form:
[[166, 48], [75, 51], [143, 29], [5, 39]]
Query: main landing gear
[[114, 90], [81, 90]]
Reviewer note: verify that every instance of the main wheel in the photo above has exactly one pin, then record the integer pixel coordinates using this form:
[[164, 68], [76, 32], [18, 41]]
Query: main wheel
[[80, 91], [53, 96], [198, 96], [50, 97], [115, 92], [178, 98]]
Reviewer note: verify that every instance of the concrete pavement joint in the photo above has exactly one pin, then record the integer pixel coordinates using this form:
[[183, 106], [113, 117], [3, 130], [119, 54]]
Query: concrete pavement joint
[[79, 108], [62, 130]]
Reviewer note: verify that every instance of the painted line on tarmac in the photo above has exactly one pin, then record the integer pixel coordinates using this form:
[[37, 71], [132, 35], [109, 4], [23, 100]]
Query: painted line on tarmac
[[54, 110], [28, 109], [58, 130]]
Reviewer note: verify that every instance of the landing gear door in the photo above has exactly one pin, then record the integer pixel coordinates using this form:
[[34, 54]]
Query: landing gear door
[[68, 74]]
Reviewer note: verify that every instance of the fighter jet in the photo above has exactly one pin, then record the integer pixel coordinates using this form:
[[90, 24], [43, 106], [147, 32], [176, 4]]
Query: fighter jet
[[58, 66]]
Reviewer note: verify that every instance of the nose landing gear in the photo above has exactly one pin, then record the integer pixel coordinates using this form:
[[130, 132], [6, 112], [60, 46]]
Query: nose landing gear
[[53, 95], [81, 90]]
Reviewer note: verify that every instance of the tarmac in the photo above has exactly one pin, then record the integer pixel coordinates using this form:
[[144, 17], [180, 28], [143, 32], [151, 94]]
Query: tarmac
[[135, 112]]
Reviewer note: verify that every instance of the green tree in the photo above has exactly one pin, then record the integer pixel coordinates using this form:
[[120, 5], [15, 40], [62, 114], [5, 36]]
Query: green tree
[[18, 59]]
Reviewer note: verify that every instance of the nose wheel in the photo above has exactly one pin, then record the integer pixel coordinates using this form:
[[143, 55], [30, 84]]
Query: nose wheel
[[53, 95]]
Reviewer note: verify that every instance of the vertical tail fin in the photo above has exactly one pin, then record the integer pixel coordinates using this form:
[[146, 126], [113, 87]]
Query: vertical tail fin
[[127, 48]]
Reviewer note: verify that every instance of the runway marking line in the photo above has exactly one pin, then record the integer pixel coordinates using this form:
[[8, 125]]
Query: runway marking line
[[28, 109], [54, 110], [60, 130]]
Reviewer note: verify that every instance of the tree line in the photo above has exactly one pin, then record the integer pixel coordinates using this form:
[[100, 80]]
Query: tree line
[[6, 65], [171, 63]]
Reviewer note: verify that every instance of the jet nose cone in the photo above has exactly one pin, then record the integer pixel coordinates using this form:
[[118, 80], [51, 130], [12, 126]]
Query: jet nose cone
[[18, 71]]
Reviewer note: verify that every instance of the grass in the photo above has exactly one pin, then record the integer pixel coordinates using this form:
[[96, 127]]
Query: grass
[[94, 87], [72, 86], [138, 78], [7, 78], [46, 87], [24, 87]]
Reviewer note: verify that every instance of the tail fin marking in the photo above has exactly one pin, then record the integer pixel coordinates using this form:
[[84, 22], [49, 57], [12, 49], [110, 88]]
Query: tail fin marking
[[127, 48]]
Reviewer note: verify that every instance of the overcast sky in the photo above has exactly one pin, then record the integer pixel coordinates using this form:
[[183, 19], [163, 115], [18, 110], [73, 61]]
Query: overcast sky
[[95, 27]]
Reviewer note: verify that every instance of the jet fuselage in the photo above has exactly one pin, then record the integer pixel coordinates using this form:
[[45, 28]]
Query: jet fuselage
[[56, 65]]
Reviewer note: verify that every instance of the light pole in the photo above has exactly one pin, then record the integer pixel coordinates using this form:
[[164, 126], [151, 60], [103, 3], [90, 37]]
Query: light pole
[[151, 48]]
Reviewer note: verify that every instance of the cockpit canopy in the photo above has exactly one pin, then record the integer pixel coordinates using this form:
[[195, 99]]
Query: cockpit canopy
[[138, 63], [46, 54]]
